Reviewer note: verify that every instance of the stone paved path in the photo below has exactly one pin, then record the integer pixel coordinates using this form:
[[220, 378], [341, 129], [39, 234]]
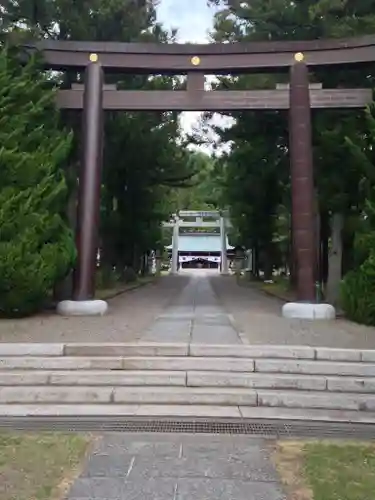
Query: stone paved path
[[194, 316], [178, 467]]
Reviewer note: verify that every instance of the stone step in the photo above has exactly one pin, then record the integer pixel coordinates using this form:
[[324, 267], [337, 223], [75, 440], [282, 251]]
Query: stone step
[[217, 351], [257, 380], [155, 363], [186, 363], [131, 349], [195, 350], [308, 367], [253, 351], [281, 381], [190, 379], [316, 400], [127, 395], [31, 349], [222, 396], [241, 413], [92, 378], [184, 349]]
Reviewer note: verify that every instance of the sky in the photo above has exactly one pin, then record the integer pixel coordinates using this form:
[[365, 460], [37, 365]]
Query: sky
[[194, 20]]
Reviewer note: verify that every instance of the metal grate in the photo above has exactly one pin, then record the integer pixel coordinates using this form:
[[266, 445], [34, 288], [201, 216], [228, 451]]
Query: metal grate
[[262, 428]]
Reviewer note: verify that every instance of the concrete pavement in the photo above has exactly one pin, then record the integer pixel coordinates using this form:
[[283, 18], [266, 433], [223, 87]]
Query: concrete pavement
[[178, 467], [194, 316]]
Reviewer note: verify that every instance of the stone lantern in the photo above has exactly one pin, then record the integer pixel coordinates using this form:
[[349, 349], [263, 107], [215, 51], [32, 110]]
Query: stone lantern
[[157, 262], [239, 257]]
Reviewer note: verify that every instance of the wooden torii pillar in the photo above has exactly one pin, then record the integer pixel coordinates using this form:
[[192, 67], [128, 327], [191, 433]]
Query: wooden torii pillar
[[88, 210], [303, 207]]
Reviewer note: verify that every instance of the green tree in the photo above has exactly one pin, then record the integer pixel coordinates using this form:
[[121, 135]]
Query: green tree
[[36, 246], [201, 192], [143, 158], [339, 175], [358, 287]]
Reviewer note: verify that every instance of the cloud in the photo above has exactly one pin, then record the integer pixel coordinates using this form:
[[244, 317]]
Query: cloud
[[194, 20]]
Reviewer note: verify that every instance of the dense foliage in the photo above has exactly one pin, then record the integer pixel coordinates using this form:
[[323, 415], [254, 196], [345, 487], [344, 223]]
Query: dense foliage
[[256, 170], [144, 158], [358, 287], [36, 246]]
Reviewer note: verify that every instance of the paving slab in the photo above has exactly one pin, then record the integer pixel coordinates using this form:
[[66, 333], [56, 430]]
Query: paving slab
[[144, 466], [210, 489], [167, 330], [214, 334], [195, 315], [112, 488]]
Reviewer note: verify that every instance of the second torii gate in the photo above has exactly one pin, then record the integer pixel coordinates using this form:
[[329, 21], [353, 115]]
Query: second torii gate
[[218, 220]]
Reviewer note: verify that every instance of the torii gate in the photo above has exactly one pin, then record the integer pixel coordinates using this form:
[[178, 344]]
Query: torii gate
[[218, 220], [195, 61]]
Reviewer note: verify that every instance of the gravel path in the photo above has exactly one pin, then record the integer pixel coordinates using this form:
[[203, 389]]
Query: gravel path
[[258, 318], [130, 314]]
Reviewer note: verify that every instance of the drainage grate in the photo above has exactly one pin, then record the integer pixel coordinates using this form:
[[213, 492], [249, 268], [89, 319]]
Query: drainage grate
[[262, 428]]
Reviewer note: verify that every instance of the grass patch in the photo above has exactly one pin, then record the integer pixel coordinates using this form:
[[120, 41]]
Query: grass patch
[[39, 466], [289, 461], [280, 287], [118, 288], [321, 470], [341, 471]]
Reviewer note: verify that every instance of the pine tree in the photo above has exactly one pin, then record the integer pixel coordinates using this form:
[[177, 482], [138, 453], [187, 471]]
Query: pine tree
[[36, 246]]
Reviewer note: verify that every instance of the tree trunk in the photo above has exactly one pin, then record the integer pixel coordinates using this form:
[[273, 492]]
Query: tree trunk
[[268, 263], [63, 290], [136, 259], [335, 260], [255, 266], [347, 251], [324, 245], [291, 259]]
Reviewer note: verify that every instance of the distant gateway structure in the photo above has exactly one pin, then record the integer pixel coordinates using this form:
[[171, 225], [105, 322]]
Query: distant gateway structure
[[211, 249]]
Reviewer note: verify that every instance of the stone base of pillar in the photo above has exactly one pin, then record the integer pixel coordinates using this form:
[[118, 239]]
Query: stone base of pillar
[[306, 310], [82, 307]]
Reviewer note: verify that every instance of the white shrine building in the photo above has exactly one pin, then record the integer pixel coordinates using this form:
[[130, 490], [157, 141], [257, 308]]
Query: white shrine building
[[199, 248]]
